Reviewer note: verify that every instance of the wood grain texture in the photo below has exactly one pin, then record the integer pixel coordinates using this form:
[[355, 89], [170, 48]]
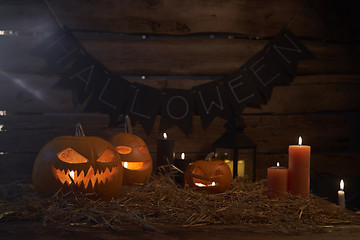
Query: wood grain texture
[[29, 93], [272, 134], [36, 230], [26, 17], [171, 56], [253, 18]]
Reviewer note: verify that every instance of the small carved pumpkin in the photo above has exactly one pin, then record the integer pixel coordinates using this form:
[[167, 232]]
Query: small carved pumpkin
[[84, 164], [135, 157], [212, 176]]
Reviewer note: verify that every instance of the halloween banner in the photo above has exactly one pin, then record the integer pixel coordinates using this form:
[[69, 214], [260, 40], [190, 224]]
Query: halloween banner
[[177, 108], [211, 101], [84, 76], [58, 50], [266, 72], [241, 91], [100, 90], [111, 96], [143, 105], [288, 50]]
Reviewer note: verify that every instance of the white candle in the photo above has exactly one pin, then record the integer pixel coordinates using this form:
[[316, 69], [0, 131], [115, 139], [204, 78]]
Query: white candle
[[341, 195]]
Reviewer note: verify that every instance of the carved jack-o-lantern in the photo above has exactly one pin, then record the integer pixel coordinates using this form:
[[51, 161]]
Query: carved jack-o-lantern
[[84, 164], [135, 157], [210, 176]]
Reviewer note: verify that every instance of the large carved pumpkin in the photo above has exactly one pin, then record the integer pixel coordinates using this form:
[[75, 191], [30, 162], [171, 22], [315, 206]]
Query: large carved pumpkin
[[212, 176], [135, 157], [84, 164]]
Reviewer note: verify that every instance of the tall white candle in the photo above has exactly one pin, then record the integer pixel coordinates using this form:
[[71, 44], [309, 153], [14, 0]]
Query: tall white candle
[[341, 195]]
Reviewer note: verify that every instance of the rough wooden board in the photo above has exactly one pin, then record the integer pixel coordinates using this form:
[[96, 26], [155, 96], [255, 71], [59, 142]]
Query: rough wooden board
[[256, 18], [26, 17], [29, 93], [272, 134], [34, 230], [170, 56]]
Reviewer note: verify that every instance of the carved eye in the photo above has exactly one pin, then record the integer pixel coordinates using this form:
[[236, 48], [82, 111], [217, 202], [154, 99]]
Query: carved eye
[[143, 149], [198, 171], [69, 155], [124, 149], [217, 173], [107, 156]]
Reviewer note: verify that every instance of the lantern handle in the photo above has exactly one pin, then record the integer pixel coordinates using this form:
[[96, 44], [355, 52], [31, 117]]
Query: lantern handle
[[128, 128], [210, 156], [79, 132]]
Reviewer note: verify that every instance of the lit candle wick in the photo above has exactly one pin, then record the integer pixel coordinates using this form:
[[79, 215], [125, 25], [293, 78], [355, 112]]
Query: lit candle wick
[[182, 156], [278, 164], [165, 135], [300, 141]]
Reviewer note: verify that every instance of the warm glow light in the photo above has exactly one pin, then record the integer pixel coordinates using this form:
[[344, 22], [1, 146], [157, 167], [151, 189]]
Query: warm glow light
[[278, 164], [133, 165], [165, 135], [2, 32], [204, 185], [342, 185], [72, 176], [2, 113], [200, 185], [300, 141], [182, 156]]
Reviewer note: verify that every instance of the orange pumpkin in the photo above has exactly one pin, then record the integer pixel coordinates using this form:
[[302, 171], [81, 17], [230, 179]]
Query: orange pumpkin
[[212, 176], [135, 157], [84, 164]]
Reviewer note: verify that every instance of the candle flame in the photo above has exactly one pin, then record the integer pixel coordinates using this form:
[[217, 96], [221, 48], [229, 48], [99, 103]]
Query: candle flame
[[300, 141], [182, 156], [165, 135], [72, 175], [213, 184], [278, 164], [342, 184]]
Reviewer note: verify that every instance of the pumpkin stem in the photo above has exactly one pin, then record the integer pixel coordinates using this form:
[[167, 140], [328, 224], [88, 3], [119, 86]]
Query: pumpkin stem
[[128, 128], [210, 156], [79, 132]]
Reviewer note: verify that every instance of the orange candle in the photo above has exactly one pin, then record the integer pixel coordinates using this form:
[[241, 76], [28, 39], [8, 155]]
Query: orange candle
[[277, 181], [299, 170]]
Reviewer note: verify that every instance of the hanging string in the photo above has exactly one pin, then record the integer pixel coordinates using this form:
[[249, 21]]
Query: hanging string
[[54, 15], [79, 132], [128, 128], [295, 14]]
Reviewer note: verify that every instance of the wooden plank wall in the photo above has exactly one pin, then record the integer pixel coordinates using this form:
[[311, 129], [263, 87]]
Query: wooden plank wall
[[186, 43]]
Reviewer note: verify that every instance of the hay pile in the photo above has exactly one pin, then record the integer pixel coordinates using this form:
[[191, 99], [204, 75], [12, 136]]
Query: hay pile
[[161, 202]]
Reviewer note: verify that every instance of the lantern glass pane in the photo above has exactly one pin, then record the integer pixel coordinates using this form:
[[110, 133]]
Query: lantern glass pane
[[245, 160]]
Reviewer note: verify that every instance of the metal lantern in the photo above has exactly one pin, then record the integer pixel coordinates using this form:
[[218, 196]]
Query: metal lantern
[[236, 145]]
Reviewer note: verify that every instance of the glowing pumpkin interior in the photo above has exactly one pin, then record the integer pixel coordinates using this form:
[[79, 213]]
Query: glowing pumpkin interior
[[89, 175], [125, 150], [201, 180]]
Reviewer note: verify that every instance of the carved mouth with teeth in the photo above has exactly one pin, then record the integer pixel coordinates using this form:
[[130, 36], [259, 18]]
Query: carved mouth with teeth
[[85, 178]]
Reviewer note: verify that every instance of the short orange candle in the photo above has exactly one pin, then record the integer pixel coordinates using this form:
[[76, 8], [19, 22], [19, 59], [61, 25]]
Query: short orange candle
[[277, 181], [299, 170]]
